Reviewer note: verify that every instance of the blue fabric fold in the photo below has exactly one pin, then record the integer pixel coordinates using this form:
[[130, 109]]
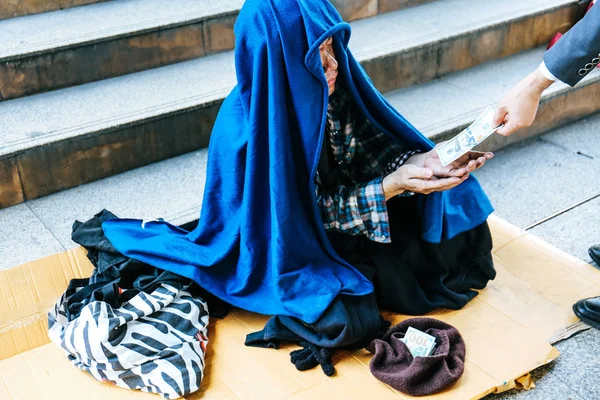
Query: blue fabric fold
[[260, 243]]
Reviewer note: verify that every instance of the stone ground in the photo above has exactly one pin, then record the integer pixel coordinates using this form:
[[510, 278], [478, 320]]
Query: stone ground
[[533, 180]]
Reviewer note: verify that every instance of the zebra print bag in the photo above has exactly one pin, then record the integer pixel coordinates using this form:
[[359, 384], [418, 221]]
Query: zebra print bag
[[152, 341]]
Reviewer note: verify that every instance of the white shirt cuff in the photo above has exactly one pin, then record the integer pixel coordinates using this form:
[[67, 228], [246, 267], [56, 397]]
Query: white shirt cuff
[[546, 72]]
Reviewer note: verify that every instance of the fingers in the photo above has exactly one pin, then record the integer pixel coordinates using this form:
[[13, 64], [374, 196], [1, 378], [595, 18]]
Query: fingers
[[499, 115], [454, 169], [427, 180], [474, 165], [468, 163], [509, 128], [517, 122], [414, 172], [470, 155], [478, 154], [456, 172], [438, 185]]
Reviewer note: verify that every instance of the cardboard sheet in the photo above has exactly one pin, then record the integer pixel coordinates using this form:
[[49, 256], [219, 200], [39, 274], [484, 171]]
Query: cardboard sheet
[[506, 329]]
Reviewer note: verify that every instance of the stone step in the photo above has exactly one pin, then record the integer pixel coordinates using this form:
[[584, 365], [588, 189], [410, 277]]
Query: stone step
[[443, 107], [19, 8], [44, 52], [61, 139], [173, 189], [55, 50], [398, 48], [352, 10], [58, 140], [557, 171]]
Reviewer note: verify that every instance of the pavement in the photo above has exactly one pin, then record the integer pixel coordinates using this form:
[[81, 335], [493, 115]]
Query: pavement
[[529, 182]]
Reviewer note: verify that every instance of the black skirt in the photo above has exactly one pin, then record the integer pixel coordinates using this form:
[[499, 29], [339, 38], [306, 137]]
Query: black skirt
[[412, 276]]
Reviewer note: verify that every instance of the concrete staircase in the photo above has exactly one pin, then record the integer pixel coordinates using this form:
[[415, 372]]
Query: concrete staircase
[[19, 8], [89, 93]]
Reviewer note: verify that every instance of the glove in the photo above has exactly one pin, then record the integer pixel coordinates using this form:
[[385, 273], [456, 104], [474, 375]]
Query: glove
[[311, 356]]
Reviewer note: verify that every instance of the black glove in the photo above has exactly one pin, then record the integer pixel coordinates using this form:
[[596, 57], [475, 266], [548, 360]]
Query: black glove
[[311, 356]]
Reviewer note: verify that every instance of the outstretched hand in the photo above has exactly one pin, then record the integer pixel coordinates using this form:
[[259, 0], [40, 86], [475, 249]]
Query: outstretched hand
[[417, 179], [425, 174], [519, 107], [467, 163]]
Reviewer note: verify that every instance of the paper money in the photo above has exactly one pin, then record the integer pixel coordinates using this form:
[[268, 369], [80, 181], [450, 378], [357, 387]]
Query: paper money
[[432, 350], [476, 133], [419, 343]]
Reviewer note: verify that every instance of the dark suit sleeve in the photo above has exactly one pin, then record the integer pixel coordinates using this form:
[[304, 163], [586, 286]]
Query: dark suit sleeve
[[578, 52]]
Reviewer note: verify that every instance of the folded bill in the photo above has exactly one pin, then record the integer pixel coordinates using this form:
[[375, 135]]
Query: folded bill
[[473, 135], [419, 343]]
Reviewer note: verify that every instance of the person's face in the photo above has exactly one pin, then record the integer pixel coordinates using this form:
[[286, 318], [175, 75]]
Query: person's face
[[330, 64]]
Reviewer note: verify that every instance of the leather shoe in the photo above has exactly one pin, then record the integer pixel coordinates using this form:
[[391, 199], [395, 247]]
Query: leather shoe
[[594, 252], [588, 310]]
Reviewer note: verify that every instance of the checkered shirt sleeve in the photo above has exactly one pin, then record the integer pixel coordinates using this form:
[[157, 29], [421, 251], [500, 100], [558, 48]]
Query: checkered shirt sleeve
[[360, 209], [356, 210], [377, 153]]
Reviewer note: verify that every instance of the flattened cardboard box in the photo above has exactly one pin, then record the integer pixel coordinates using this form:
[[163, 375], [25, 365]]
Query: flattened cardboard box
[[506, 329]]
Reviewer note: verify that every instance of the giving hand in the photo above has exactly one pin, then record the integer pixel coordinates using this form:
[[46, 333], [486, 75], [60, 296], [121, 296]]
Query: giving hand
[[518, 109]]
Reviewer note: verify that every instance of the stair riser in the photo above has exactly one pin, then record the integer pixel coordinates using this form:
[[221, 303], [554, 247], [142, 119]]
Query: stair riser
[[71, 66], [63, 165], [393, 5], [11, 192], [416, 65], [70, 163], [352, 10], [92, 62], [349, 9], [19, 8], [556, 110]]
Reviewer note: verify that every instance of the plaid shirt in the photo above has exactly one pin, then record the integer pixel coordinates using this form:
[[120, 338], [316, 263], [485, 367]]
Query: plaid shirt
[[364, 157]]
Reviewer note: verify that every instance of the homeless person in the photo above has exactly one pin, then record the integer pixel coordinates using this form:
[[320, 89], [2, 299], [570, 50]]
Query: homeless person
[[322, 203]]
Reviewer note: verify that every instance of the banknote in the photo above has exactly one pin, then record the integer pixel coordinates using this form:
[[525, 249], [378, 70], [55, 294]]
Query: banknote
[[473, 135], [419, 343]]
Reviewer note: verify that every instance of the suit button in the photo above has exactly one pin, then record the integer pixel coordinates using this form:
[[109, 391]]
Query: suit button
[[582, 72]]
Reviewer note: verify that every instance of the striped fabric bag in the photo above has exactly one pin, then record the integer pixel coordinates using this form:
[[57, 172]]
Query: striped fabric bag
[[154, 341]]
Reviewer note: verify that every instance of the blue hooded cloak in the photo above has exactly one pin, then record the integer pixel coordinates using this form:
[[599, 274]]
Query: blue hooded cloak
[[260, 243]]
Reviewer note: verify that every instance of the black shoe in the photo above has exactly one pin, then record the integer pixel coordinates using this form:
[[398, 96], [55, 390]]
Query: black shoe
[[594, 252], [588, 310]]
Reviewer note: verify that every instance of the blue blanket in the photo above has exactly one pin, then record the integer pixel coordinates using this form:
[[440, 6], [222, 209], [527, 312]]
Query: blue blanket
[[260, 243]]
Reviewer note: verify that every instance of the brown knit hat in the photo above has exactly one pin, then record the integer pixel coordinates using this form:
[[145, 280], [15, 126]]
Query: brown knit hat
[[394, 364]]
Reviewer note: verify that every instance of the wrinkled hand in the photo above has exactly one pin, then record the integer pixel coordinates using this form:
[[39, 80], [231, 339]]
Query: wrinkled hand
[[425, 174], [518, 109], [412, 178], [467, 163]]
